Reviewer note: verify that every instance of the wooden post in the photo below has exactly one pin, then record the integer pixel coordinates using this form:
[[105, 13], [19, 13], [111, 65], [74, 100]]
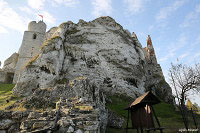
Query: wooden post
[[156, 117], [141, 128], [127, 122], [152, 117]]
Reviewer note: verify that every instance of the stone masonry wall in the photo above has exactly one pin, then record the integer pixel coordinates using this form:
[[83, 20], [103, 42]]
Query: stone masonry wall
[[38, 27], [31, 44]]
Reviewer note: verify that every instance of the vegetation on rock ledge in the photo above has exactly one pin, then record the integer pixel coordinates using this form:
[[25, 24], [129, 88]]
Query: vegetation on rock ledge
[[6, 94]]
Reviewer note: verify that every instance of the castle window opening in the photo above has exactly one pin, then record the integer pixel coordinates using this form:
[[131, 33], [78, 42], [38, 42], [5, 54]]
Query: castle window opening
[[34, 36]]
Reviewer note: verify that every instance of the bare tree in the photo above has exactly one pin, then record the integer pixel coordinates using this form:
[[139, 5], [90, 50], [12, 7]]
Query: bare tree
[[185, 79]]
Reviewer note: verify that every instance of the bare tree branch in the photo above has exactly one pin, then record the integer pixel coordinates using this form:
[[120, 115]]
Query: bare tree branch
[[185, 79]]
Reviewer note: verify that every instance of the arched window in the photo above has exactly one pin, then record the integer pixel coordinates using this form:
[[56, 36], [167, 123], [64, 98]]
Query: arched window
[[34, 36]]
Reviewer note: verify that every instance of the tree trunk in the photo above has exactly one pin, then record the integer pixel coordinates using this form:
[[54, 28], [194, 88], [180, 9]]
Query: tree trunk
[[183, 99]]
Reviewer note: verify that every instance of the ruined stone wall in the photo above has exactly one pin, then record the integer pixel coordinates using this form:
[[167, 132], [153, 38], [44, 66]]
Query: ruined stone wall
[[2, 76], [154, 75], [37, 27], [152, 66], [31, 43]]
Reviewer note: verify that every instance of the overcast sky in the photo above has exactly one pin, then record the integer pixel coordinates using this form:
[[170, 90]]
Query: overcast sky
[[174, 25]]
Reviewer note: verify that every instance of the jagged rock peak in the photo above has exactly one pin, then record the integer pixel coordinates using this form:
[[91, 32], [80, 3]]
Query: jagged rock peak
[[104, 21]]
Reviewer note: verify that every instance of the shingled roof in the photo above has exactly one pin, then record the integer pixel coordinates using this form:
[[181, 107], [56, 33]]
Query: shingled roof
[[148, 98]]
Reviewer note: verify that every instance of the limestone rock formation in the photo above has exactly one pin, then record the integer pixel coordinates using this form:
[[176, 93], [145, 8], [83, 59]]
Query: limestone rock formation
[[100, 50], [2, 76], [8, 70], [83, 112], [79, 64], [10, 63]]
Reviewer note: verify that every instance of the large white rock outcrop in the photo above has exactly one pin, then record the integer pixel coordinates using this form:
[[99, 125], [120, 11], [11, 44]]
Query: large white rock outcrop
[[10, 63], [100, 50]]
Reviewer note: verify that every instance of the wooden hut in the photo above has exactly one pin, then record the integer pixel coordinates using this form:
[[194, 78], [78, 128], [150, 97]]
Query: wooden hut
[[142, 113]]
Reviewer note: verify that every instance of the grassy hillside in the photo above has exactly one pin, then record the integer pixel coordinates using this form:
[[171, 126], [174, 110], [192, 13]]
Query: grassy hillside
[[166, 114], [6, 94]]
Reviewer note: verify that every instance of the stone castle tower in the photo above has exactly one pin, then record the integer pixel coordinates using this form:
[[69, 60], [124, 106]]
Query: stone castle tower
[[32, 40]]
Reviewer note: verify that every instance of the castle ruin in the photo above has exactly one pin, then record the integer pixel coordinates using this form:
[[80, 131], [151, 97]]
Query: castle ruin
[[31, 43], [30, 47], [152, 65], [81, 64]]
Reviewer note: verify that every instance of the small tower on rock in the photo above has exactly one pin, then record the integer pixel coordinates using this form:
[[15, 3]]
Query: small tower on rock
[[151, 57], [32, 40], [152, 65]]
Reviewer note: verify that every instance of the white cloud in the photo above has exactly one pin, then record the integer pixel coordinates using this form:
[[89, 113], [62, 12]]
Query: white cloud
[[11, 19], [69, 3], [191, 18], [161, 22], [36, 4], [159, 26], [26, 10], [167, 11], [194, 58], [197, 55], [169, 55], [48, 18], [174, 47], [135, 6], [196, 42], [183, 56], [101, 7], [3, 30], [36, 10]]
